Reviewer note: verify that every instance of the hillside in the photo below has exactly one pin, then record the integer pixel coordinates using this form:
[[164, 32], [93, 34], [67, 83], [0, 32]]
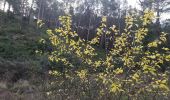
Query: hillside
[[94, 50], [18, 60]]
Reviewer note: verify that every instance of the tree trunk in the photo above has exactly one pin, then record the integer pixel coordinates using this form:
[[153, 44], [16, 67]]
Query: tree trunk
[[4, 5], [9, 7], [158, 18], [89, 28], [42, 14], [39, 12], [30, 12], [158, 13]]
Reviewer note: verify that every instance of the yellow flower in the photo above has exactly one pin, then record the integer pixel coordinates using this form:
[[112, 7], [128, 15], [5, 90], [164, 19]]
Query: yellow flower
[[135, 77], [153, 44], [104, 19], [118, 71], [167, 58], [115, 87], [166, 49], [82, 74]]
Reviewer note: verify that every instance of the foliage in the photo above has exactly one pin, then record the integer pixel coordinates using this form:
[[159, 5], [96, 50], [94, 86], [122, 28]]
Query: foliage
[[129, 70]]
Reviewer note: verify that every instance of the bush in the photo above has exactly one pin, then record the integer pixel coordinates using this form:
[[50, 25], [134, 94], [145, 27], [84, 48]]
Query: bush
[[131, 69]]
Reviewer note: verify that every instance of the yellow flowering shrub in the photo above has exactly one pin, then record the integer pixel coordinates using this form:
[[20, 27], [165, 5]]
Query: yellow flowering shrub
[[129, 69]]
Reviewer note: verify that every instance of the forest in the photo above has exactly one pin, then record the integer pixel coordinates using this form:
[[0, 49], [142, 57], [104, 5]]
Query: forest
[[84, 49]]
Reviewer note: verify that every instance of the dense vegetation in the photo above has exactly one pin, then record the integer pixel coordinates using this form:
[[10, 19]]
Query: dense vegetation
[[99, 49]]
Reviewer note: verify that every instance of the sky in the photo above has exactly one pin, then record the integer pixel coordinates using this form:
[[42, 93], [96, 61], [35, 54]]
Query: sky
[[135, 4]]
